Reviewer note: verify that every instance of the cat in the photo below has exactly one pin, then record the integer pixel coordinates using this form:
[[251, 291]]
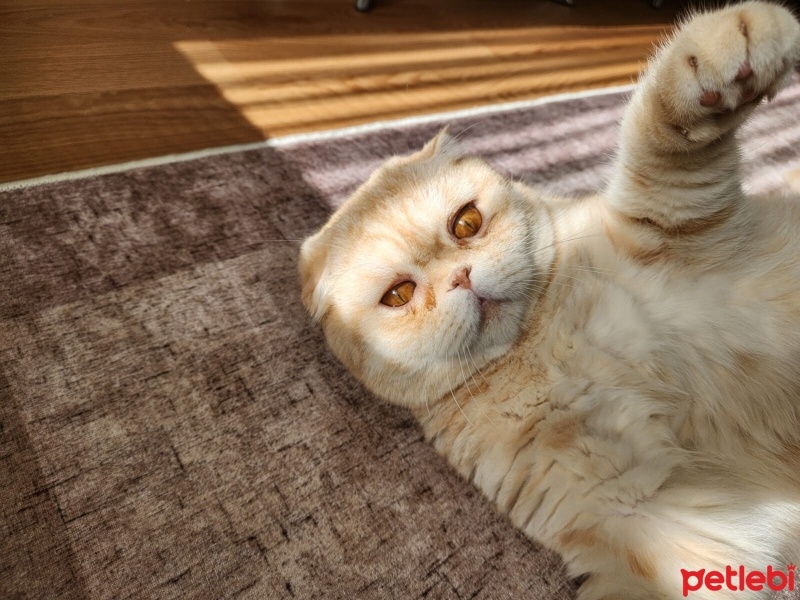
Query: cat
[[619, 374]]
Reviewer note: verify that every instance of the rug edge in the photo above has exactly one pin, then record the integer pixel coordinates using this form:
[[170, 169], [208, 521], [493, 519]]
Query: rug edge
[[298, 138]]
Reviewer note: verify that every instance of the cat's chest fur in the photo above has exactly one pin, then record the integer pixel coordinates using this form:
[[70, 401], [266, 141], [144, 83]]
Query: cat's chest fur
[[693, 331]]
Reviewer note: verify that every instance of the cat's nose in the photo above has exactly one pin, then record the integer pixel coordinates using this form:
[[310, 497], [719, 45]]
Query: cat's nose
[[461, 278]]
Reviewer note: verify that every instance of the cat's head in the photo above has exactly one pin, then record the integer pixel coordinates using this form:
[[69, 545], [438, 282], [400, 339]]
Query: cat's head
[[428, 270]]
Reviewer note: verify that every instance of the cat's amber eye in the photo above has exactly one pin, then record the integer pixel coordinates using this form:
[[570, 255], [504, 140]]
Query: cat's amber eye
[[399, 294], [468, 222]]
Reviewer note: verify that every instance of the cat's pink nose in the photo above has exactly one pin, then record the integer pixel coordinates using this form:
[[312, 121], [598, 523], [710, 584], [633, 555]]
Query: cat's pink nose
[[461, 278]]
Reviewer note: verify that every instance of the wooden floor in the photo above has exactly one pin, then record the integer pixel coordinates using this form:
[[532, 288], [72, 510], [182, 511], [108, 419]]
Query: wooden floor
[[91, 82]]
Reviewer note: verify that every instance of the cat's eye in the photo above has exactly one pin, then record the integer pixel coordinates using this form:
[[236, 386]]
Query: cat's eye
[[467, 223], [399, 294]]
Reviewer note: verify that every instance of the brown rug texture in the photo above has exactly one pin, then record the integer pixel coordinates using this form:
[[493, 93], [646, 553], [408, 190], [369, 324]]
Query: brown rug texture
[[171, 424]]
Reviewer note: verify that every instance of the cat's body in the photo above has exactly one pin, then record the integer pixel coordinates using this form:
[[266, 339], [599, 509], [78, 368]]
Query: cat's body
[[620, 374]]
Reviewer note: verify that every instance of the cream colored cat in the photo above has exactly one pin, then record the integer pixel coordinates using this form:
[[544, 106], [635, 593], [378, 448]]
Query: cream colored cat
[[619, 374]]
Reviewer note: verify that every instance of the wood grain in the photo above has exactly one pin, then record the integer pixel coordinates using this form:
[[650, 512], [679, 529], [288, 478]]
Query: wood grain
[[92, 82]]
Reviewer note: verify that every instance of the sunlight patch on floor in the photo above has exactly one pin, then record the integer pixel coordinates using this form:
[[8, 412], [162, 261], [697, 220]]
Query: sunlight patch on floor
[[301, 83]]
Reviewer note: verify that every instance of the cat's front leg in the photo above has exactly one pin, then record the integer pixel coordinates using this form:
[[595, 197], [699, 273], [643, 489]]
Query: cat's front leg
[[678, 160]]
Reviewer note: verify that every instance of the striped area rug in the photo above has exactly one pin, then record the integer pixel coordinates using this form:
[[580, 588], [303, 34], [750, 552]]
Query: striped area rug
[[171, 425]]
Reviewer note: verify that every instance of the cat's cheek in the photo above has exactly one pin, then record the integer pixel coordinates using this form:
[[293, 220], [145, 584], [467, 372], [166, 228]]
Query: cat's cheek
[[427, 335], [400, 335]]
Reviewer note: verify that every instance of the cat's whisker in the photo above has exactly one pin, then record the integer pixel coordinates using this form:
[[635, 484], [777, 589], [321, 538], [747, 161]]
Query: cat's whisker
[[564, 283], [539, 295], [542, 283], [590, 268], [532, 252], [453, 394], [541, 292], [558, 275], [301, 240], [563, 241], [471, 374], [474, 362], [464, 376], [425, 388], [463, 131]]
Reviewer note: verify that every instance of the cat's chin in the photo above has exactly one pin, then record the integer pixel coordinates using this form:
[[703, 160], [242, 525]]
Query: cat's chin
[[499, 325]]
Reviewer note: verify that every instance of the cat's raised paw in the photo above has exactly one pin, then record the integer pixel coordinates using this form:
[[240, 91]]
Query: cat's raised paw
[[721, 64]]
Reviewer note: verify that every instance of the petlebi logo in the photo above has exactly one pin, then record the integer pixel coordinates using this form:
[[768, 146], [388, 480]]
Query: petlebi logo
[[738, 579]]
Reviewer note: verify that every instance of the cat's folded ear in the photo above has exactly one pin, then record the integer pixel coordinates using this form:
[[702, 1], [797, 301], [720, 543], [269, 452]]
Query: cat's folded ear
[[443, 144], [313, 258]]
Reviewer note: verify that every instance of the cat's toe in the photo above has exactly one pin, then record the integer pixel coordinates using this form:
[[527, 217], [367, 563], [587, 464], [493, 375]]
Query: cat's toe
[[745, 71], [709, 98]]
